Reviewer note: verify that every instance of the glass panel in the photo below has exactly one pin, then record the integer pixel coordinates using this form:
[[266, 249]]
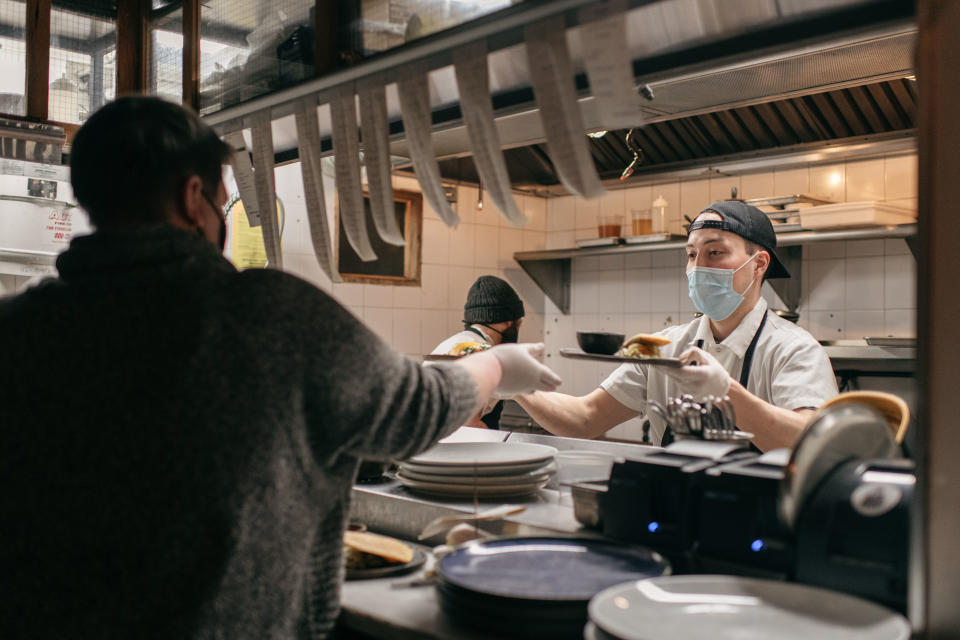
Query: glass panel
[[166, 60], [80, 45], [386, 24], [252, 47], [13, 57]]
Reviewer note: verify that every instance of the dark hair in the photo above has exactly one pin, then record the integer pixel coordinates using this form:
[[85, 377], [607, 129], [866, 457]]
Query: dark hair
[[129, 161]]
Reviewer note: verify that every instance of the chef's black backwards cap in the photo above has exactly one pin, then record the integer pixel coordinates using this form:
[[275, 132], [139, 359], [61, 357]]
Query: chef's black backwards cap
[[749, 223]]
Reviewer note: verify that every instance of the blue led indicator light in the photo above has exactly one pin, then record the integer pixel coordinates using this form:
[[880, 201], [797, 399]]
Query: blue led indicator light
[[757, 545], [653, 526]]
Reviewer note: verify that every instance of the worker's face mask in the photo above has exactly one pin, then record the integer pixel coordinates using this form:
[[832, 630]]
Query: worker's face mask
[[712, 292], [511, 333], [221, 219]]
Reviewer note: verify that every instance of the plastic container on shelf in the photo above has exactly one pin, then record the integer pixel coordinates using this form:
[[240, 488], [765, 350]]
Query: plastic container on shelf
[[855, 214], [658, 215]]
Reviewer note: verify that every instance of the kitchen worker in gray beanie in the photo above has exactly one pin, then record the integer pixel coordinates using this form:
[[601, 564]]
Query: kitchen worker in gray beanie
[[492, 315]]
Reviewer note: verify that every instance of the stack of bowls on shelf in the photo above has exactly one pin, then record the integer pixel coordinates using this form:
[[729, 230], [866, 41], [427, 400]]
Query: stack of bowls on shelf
[[481, 470], [702, 607], [535, 587]]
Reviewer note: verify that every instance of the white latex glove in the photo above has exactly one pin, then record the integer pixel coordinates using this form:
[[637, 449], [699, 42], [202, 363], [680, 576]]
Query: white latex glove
[[703, 376], [523, 371]]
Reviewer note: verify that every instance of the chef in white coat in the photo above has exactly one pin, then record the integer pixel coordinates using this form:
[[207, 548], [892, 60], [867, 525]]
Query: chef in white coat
[[774, 372]]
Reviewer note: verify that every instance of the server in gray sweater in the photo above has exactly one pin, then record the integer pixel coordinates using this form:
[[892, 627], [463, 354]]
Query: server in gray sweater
[[180, 439]]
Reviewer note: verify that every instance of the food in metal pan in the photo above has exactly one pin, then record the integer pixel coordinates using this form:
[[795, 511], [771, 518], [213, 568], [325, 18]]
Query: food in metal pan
[[643, 345], [466, 348], [368, 550]]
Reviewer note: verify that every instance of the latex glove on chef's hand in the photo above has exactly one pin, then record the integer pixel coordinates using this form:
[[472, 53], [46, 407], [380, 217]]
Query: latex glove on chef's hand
[[523, 371], [701, 376]]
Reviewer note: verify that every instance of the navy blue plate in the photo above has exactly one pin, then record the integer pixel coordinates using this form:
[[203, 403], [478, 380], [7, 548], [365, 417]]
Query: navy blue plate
[[546, 569]]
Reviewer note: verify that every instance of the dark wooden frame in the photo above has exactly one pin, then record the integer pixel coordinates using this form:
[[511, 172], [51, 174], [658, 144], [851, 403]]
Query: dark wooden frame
[[413, 234]]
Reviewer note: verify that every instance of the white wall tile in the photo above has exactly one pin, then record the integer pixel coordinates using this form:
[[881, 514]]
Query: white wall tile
[[668, 258], [377, 295], [459, 281], [664, 295], [824, 250], [534, 240], [826, 325], [861, 324], [561, 240], [408, 297], [584, 291], [864, 248], [827, 285], [434, 330], [787, 182], [637, 290], [864, 283], [900, 287], [349, 294], [610, 263], [586, 213], [663, 319], [721, 188], [535, 209], [380, 321], [510, 242], [900, 323], [829, 182], [895, 246], [467, 203], [434, 287], [406, 330], [487, 246], [462, 246], [306, 266], [436, 242], [637, 198], [694, 196], [561, 214], [612, 203], [757, 185], [637, 323], [641, 260], [865, 180], [900, 177], [611, 291]]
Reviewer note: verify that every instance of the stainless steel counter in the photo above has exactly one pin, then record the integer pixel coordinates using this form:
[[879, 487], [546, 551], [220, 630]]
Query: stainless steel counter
[[391, 607]]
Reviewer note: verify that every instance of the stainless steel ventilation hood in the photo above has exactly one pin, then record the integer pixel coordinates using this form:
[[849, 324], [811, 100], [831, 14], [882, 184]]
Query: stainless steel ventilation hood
[[698, 56]]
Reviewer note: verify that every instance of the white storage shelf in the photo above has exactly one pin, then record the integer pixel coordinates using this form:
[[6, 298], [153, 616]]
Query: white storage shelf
[[551, 269]]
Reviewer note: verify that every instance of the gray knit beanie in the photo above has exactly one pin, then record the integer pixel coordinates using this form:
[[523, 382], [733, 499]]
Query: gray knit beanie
[[492, 300]]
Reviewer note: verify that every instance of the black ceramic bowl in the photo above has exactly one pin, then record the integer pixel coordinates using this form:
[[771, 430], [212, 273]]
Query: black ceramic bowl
[[601, 342]]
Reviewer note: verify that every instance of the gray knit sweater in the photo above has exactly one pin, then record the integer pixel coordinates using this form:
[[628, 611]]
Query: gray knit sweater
[[180, 439]]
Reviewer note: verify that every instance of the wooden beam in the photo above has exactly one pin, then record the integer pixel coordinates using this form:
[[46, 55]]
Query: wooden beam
[[133, 46], [38, 59], [325, 38], [191, 53], [935, 563]]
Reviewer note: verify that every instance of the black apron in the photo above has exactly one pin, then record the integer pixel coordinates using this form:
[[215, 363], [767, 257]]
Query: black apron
[[492, 419], [744, 375]]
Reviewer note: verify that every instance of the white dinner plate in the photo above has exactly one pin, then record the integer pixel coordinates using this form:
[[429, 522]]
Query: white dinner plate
[[468, 491], [471, 471], [529, 477], [732, 607], [458, 454]]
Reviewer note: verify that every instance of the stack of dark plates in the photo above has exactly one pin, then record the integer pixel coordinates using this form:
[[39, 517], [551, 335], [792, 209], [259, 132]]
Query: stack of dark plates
[[733, 608], [482, 470], [536, 587]]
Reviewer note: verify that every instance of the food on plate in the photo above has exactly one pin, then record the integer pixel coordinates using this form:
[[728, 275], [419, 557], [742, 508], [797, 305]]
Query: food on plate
[[365, 550], [465, 348], [643, 345]]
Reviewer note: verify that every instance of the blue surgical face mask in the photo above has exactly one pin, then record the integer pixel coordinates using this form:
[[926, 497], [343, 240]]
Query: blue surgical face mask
[[712, 290]]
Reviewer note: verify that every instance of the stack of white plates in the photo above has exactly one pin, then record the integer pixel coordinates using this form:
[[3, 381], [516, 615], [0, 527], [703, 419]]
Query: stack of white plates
[[479, 469], [734, 608]]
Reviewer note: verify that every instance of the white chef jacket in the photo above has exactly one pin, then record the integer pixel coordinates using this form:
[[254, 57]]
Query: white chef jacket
[[464, 336], [789, 369]]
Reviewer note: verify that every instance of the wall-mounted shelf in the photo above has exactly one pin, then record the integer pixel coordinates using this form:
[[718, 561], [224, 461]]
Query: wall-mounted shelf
[[550, 269]]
